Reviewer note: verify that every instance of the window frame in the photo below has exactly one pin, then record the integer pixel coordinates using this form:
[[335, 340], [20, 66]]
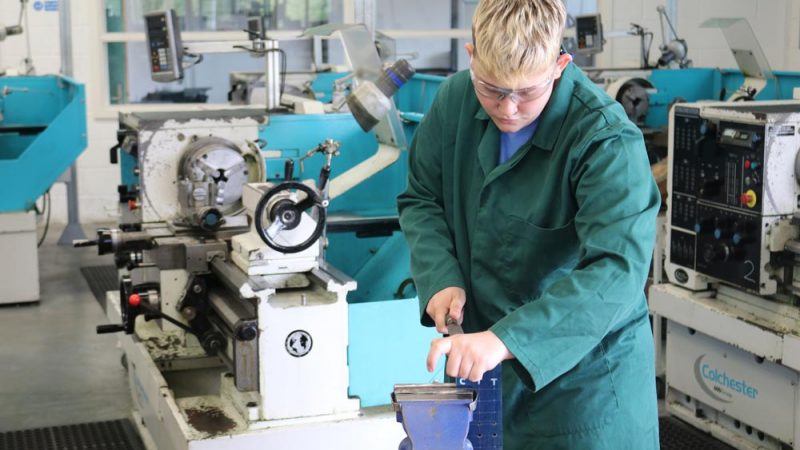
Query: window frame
[[353, 11]]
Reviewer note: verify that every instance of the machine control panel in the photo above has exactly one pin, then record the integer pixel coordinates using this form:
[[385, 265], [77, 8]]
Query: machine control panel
[[732, 180], [728, 245], [730, 166], [589, 33], [164, 46]]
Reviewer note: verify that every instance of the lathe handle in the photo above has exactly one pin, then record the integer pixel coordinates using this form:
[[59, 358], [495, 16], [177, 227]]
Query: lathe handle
[[104, 329]]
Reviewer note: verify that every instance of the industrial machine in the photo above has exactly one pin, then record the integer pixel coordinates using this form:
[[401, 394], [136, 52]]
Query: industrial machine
[[731, 346], [648, 92], [734, 191], [42, 131], [589, 34], [265, 297]]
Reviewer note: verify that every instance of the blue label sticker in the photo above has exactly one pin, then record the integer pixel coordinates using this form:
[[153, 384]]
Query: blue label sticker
[[37, 5], [51, 5]]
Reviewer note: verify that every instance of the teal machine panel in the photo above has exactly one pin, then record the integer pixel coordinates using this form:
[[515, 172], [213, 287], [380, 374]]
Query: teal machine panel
[[691, 85], [290, 136], [42, 131]]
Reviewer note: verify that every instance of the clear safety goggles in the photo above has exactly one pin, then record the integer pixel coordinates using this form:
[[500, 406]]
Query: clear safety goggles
[[517, 96]]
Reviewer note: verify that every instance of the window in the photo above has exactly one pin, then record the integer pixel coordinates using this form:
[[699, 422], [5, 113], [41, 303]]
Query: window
[[126, 77], [128, 73]]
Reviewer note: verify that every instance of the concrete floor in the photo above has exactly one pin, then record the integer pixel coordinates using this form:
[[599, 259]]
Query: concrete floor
[[54, 369]]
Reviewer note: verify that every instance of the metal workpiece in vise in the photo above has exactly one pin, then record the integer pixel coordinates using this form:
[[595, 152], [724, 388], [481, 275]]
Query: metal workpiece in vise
[[434, 416]]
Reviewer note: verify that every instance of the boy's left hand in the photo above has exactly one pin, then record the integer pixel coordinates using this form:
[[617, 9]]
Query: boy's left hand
[[469, 355]]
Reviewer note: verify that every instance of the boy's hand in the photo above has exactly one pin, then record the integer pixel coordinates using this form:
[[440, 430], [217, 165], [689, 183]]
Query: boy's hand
[[469, 355], [447, 302]]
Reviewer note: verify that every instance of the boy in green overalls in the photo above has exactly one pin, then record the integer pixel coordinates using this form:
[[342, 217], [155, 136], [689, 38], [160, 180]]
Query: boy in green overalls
[[530, 214]]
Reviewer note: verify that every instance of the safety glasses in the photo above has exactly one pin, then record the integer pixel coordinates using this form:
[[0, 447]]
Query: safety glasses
[[517, 96]]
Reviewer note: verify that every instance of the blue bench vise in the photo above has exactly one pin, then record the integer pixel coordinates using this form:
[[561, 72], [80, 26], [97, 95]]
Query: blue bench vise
[[434, 416]]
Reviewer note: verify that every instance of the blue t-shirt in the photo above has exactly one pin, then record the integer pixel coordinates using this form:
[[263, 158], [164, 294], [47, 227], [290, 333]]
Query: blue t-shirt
[[511, 142]]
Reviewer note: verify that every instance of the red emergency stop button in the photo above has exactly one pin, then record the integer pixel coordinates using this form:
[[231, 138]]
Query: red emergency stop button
[[132, 205], [746, 163], [749, 199], [134, 300]]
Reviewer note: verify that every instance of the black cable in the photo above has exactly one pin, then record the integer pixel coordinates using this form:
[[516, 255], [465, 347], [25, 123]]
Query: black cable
[[155, 313], [46, 206], [198, 59]]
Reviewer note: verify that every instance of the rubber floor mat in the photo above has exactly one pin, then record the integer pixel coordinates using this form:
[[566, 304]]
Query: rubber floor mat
[[100, 280], [111, 435], [677, 435]]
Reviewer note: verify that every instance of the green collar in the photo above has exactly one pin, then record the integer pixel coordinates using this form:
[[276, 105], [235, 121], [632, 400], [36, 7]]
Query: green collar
[[552, 118], [481, 114], [555, 113]]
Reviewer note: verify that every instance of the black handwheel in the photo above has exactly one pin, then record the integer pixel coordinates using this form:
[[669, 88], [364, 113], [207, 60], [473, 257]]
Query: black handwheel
[[289, 214]]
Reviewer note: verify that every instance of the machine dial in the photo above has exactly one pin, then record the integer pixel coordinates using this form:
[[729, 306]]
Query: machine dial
[[717, 252]]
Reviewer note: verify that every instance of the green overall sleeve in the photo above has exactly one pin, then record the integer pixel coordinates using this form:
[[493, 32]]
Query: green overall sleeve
[[422, 217]]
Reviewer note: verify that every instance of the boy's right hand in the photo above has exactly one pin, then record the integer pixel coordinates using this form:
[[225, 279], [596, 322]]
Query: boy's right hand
[[447, 302]]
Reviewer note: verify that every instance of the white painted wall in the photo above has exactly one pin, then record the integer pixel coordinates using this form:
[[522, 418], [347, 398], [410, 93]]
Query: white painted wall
[[792, 52], [775, 22]]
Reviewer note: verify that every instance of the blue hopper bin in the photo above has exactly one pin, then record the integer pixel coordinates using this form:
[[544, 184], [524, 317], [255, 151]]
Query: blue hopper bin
[[42, 131]]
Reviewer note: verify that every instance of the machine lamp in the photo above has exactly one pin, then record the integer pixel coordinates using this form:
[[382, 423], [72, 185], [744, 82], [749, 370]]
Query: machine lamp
[[370, 101]]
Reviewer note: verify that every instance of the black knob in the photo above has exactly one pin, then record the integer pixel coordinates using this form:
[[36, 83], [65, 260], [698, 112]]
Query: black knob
[[246, 332], [105, 243], [211, 219], [213, 342], [717, 252]]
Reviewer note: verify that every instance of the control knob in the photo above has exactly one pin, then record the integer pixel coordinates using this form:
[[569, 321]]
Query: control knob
[[717, 252]]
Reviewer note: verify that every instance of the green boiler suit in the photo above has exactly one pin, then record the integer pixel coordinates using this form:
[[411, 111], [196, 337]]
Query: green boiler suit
[[552, 248]]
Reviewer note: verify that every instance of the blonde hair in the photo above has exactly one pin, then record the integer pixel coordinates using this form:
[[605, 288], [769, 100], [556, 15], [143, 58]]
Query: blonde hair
[[514, 38]]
